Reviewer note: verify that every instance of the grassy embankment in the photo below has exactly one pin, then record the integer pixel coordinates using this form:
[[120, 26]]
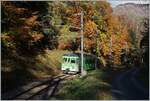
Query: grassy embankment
[[17, 70], [90, 87]]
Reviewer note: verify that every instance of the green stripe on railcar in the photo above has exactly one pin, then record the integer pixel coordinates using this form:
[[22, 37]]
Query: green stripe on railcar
[[89, 62]]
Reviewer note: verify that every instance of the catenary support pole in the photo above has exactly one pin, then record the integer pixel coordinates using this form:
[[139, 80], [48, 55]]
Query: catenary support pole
[[82, 69]]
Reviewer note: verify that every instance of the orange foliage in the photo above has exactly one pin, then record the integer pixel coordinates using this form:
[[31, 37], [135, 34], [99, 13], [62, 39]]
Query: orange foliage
[[31, 21], [120, 38], [11, 8], [64, 46], [90, 28], [88, 43], [37, 36], [61, 46]]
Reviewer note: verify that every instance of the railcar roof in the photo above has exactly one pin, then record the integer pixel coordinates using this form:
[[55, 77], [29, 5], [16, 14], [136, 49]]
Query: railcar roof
[[78, 54], [71, 54]]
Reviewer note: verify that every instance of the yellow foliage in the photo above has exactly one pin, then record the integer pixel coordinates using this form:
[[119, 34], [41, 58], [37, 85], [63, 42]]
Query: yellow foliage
[[90, 28], [119, 36]]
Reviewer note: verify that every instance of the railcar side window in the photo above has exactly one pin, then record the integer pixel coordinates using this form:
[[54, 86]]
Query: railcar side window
[[68, 60], [78, 60], [72, 61]]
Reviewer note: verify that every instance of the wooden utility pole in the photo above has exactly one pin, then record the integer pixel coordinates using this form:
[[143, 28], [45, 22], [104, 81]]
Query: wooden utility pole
[[83, 72], [81, 42]]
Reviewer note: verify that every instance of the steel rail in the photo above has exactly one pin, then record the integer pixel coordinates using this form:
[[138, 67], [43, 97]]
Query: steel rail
[[27, 90]]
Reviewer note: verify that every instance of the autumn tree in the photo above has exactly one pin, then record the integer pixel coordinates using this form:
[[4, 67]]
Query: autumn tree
[[57, 25], [144, 44], [21, 29], [100, 25]]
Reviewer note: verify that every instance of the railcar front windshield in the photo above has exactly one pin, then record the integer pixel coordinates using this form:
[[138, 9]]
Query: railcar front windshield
[[64, 59], [70, 60]]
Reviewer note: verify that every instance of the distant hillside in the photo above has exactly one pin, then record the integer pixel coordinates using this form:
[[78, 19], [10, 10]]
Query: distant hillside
[[132, 13], [132, 10]]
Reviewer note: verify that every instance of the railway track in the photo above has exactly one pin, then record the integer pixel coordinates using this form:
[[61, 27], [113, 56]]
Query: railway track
[[43, 91]]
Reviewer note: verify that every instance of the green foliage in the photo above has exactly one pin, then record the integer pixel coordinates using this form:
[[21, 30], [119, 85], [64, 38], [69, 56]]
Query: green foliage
[[133, 39]]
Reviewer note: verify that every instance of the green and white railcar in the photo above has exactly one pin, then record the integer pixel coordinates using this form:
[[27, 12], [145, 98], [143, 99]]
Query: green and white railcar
[[72, 62]]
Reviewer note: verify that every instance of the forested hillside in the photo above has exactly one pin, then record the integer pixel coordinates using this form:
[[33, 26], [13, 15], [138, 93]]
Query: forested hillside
[[29, 29], [133, 16]]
